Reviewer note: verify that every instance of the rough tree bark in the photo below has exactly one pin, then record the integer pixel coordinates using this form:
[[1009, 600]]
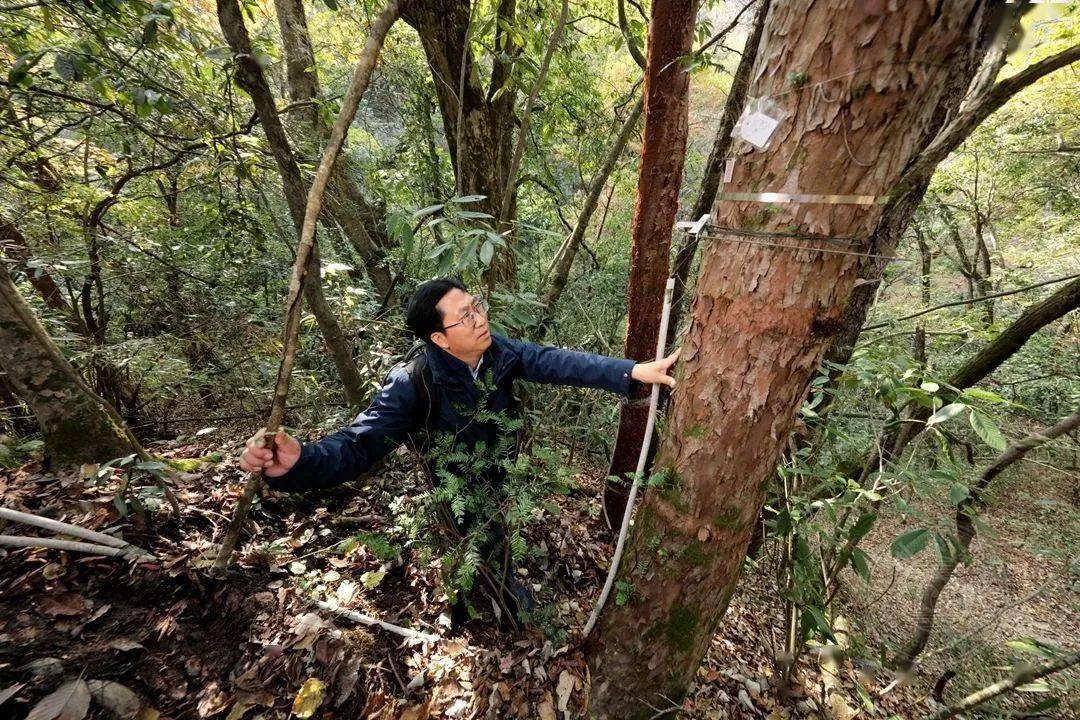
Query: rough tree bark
[[362, 222], [714, 168], [663, 152], [763, 317], [76, 425], [965, 533], [251, 78], [480, 144]]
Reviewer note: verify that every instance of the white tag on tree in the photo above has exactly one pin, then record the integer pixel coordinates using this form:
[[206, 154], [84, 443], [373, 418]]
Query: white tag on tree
[[729, 168], [757, 128], [758, 122]]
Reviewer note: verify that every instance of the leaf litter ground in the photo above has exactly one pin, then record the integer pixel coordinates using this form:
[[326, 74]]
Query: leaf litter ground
[[169, 640]]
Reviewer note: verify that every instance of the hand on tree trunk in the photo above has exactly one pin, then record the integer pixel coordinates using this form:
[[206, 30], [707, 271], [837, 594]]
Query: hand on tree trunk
[[655, 372]]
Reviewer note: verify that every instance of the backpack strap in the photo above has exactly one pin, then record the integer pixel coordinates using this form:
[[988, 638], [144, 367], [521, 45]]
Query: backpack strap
[[428, 399]]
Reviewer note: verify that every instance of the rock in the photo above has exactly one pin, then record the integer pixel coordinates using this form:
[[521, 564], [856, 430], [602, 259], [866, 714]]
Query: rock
[[118, 699], [44, 667]]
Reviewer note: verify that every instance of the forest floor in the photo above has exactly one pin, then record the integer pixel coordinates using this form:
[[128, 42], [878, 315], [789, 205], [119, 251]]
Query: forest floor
[[168, 640], [1021, 585]]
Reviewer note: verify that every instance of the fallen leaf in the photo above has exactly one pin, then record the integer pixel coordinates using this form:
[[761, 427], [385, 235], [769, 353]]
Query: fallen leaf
[[9, 692], [546, 710], [309, 698], [70, 702], [372, 579], [416, 712], [247, 700], [566, 686], [121, 701], [63, 604], [125, 645]]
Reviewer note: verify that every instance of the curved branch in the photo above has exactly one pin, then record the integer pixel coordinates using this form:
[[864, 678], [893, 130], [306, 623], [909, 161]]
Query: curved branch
[[969, 117], [1003, 293]]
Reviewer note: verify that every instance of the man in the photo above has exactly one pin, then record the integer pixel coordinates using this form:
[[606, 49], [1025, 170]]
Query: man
[[463, 369]]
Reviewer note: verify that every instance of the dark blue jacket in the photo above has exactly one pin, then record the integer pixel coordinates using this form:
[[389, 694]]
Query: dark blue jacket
[[393, 415]]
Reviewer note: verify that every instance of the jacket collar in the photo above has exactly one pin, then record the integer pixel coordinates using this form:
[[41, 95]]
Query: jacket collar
[[449, 370]]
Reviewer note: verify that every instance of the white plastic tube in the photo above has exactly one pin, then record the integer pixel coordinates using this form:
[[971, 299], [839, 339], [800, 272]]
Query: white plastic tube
[[654, 399]]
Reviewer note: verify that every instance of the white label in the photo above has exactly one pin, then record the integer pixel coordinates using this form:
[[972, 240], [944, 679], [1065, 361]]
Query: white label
[[756, 129], [729, 168]]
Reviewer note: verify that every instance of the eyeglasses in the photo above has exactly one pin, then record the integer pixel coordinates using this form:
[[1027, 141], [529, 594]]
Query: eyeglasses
[[479, 307]]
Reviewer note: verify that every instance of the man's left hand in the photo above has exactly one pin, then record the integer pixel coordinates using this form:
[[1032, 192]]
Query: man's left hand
[[655, 372]]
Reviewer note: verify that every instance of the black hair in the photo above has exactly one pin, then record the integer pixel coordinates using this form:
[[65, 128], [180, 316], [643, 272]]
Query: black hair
[[422, 317]]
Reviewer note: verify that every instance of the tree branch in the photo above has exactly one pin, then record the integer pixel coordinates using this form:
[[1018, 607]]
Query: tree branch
[[1003, 293]]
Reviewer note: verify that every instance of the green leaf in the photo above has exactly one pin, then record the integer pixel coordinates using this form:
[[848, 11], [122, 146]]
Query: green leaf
[[862, 527], [429, 210], [22, 66], [860, 561], [813, 619], [461, 199], [910, 544], [958, 493], [487, 252], [986, 429], [984, 395], [946, 413]]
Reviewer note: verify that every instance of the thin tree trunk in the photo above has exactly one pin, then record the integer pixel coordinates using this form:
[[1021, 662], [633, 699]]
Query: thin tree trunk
[[251, 78], [526, 115], [478, 129], [762, 320], [925, 260], [663, 152], [965, 533], [361, 222], [228, 11], [76, 425], [564, 259], [714, 169]]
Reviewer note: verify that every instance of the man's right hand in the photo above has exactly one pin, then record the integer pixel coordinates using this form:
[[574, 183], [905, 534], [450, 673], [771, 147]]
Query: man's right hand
[[258, 458]]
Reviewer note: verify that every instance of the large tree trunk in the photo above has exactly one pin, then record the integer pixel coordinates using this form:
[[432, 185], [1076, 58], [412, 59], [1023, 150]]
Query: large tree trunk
[[479, 130], [965, 533], [663, 152], [76, 425], [714, 168], [763, 317], [362, 222], [251, 78]]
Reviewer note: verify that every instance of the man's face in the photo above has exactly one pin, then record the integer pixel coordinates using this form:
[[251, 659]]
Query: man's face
[[465, 330]]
